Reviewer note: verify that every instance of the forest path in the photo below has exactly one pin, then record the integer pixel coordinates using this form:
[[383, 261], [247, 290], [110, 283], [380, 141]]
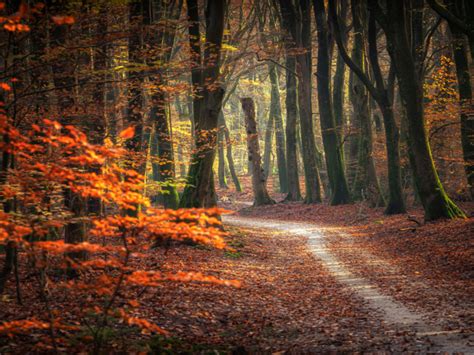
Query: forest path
[[386, 307]]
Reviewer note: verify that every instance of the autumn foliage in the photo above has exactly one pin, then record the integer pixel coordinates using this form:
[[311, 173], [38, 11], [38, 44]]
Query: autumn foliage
[[50, 158]]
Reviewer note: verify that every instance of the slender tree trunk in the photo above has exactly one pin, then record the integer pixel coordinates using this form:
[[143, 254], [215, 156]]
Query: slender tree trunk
[[230, 160], [267, 150], [294, 193], [461, 60], [366, 184], [279, 134], [261, 196], [336, 175], [338, 81], [162, 157], [221, 153]]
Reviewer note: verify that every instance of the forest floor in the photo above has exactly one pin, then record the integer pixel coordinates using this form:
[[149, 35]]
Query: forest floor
[[315, 279], [411, 276]]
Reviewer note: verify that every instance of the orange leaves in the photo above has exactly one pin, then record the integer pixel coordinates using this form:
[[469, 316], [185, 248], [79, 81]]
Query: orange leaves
[[5, 86], [22, 326], [154, 278], [63, 20], [51, 159], [16, 27], [146, 326], [127, 133], [59, 247]]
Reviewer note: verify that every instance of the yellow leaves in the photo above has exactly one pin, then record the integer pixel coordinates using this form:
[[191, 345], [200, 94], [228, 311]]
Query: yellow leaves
[[228, 47], [127, 133]]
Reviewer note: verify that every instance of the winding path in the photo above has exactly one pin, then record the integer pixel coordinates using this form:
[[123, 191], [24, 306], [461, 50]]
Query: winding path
[[391, 311]]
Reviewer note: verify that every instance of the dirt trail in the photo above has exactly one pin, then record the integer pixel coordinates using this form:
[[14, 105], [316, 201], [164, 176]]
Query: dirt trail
[[390, 311]]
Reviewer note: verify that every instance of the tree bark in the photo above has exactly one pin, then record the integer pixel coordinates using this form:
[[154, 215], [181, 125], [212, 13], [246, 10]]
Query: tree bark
[[463, 70], [221, 153], [366, 185], [335, 168], [267, 150], [278, 127], [434, 199], [297, 21], [261, 196], [384, 98], [199, 191], [294, 193], [338, 81]]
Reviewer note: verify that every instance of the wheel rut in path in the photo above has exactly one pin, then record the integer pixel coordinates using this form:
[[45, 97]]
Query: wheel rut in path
[[391, 311]]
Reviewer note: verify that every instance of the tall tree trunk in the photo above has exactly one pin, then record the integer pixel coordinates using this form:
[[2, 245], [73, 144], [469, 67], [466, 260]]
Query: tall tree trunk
[[138, 16], [384, 98], [294, 193], [267, 150], [199, 192], [261, 196], [221, 153], [336, 175], [366, 184], [63, 78], [279, 134], [338, 81], [463, 70], [162, 157], [435, 201], [230, 160], [297, 22]]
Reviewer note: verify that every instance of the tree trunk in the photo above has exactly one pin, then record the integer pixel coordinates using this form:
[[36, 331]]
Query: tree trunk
[[336, 175], [338, 82], [435, 201], [63, 78], [278, 125], [294, 193], [199, 192], [465, 100], [261, 196], [162, 155], [297, 22], [267, 150], [365, 184], [221, 153], [229, 156], [384, 98]]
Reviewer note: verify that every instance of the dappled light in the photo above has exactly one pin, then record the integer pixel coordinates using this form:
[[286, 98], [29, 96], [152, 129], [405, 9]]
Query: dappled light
[[236, 177]]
